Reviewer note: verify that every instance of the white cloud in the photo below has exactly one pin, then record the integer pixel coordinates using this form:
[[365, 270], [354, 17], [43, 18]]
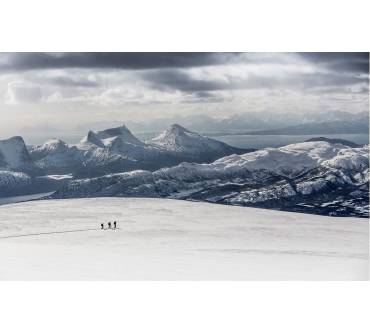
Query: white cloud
[[260, 82], [55, 97], [19, 92]]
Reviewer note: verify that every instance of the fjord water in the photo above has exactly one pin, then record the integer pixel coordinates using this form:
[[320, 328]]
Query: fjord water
[[264, 141]]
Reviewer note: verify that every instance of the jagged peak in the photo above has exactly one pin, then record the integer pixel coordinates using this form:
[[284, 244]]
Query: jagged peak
[[16, 139], [92, 138], [122, 132], [178, 138], [114, 131], [54, 141], [14, 152], [178, 129], [105, 137]]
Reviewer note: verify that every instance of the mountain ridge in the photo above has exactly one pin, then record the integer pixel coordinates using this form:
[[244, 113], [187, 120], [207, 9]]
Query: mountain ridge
[[14, 156], [117, 149], [311, 177]]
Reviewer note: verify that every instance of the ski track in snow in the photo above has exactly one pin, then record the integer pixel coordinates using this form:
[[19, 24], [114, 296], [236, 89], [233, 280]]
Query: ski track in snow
[[164, 239]]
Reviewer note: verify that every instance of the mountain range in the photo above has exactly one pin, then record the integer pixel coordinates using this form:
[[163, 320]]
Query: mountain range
[[15, 156], [311, 177], [243, 123], [321, 176], [117, 149], [102, 152], [268, 123]]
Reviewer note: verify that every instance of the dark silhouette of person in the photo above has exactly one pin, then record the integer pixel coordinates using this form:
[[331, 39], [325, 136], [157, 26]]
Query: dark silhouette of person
[[109, 225], [102, 226], [115, 224]]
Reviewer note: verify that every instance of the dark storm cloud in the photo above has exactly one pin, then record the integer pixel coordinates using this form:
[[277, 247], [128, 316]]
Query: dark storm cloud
[[72, 82], [204, 94], [180, 80], [147, 60], [341, 61], [173, 79], [176, 72]]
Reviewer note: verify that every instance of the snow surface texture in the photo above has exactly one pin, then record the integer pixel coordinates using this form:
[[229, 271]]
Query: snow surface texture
[[23, 198], [162, 239], [315, 177]]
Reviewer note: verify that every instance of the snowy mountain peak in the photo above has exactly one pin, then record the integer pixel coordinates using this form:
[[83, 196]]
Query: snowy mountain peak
[[105, 137], [179, 139], [117, 149], [17, 140], [177, 129], [49, 146], [14, 153], [91, 139], [54, 143], [122, 132], [316, 177]]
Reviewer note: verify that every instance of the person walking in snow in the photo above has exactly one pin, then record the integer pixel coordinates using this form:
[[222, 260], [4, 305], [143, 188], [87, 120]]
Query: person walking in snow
[[102, 226], [109, 225], [115, 224]]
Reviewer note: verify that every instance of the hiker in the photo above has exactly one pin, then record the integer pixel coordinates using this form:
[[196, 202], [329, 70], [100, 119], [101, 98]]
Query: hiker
[[109, 225], [102, 226], [115, 224]]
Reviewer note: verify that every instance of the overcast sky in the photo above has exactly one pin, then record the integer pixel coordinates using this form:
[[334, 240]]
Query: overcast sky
[[64, 90]]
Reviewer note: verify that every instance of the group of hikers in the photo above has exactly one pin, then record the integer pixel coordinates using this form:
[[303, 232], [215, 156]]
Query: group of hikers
[[109, 225]]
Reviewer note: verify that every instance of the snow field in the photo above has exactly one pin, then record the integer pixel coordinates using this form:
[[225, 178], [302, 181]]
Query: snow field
[[162, 239]]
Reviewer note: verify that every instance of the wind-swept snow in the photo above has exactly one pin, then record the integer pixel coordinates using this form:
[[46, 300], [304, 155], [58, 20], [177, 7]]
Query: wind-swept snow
[[161, 239]]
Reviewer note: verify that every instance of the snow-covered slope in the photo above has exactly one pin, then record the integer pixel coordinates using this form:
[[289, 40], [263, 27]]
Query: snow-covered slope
[[20, 184], [121, 132], [288, 160], [118, 150], [90, 140], [20, 175], [14, 155], [98, 153], [10, 181], [162, 239], [316, 177], [103, 138], [55, 156], [179, 140]]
